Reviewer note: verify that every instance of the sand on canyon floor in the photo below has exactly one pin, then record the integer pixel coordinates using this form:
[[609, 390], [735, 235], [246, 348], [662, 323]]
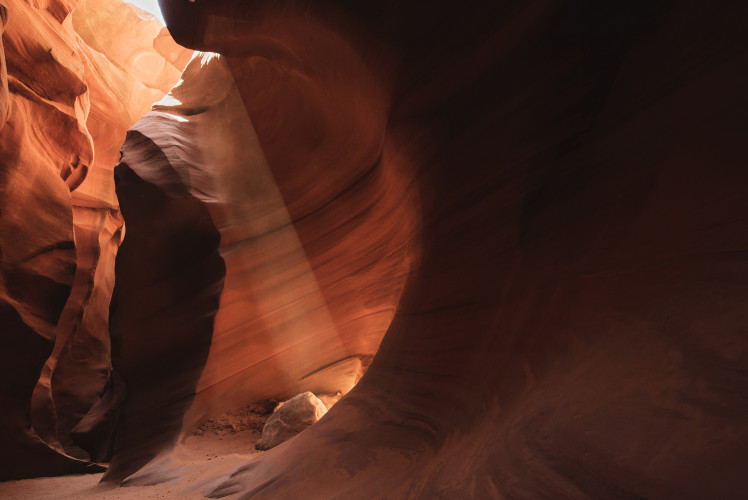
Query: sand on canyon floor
[[219, 445]]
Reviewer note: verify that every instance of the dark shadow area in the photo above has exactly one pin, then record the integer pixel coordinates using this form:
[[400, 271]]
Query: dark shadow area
[[169, 263]]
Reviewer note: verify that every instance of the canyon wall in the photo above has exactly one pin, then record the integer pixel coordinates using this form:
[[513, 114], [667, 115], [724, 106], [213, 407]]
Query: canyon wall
[[532, 212], [67, 102], [573, 323], [311, 259]]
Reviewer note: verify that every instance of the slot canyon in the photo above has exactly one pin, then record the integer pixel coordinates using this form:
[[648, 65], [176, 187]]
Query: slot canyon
[[501, 246]]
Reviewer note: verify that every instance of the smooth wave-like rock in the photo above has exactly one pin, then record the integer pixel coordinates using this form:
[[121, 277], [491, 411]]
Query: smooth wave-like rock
[[115, 39], [44, 153], [313, 269], [574, 325], [65, 109], [531, 215]]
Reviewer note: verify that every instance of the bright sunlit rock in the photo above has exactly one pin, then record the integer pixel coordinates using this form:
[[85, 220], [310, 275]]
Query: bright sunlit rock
[[150, 6]]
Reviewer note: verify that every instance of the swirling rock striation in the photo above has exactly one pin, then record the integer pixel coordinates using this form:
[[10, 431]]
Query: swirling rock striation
[[313, 270], [542, 204], [64, 110], [574, 323]]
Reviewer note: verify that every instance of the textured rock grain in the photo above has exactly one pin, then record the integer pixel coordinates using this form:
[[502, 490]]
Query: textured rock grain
[[64, 109], [575, 323], [541, 203], [292, 417], [311, 275]]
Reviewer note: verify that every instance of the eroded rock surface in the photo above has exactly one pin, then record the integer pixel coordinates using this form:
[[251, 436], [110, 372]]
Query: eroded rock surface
[[575, 324], [542, 203], [311, 276], [65, 107]]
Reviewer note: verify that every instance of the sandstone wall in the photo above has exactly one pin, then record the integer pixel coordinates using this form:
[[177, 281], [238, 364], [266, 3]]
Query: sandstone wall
[[534, 213], [66, 106], [313, 257], [574, 323]]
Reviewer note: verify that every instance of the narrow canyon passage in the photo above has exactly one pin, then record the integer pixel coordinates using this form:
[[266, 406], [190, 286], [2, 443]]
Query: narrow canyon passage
[[70, 90], [511, 235]]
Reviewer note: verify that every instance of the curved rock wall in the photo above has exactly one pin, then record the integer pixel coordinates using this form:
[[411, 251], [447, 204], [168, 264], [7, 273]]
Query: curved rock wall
[[575, 323], [66, 108], [315, 255], [541, 203]]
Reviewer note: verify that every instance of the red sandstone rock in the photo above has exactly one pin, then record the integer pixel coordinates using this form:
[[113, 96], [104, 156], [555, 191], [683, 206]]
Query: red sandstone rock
[[42, 145], [572, 172], [121, 88], [575, 325], [311, 275], [67, 108], [4, 95]]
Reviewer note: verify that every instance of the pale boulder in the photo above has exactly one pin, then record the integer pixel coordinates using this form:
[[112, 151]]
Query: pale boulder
[[290, 418]]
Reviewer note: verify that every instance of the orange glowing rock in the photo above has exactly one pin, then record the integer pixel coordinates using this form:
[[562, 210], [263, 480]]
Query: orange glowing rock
[[575, 323], [308, 292], [72, 90], [532, 212]]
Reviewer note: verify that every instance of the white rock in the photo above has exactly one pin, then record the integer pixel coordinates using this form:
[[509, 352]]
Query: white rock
[[289, 419]]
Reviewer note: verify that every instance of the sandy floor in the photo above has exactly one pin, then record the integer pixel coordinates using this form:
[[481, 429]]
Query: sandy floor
[[84, 487], [220, 445]]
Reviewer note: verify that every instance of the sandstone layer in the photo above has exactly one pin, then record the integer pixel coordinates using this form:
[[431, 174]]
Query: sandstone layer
[[574, 324], [531, 215], [65, 106], [300, 289]]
